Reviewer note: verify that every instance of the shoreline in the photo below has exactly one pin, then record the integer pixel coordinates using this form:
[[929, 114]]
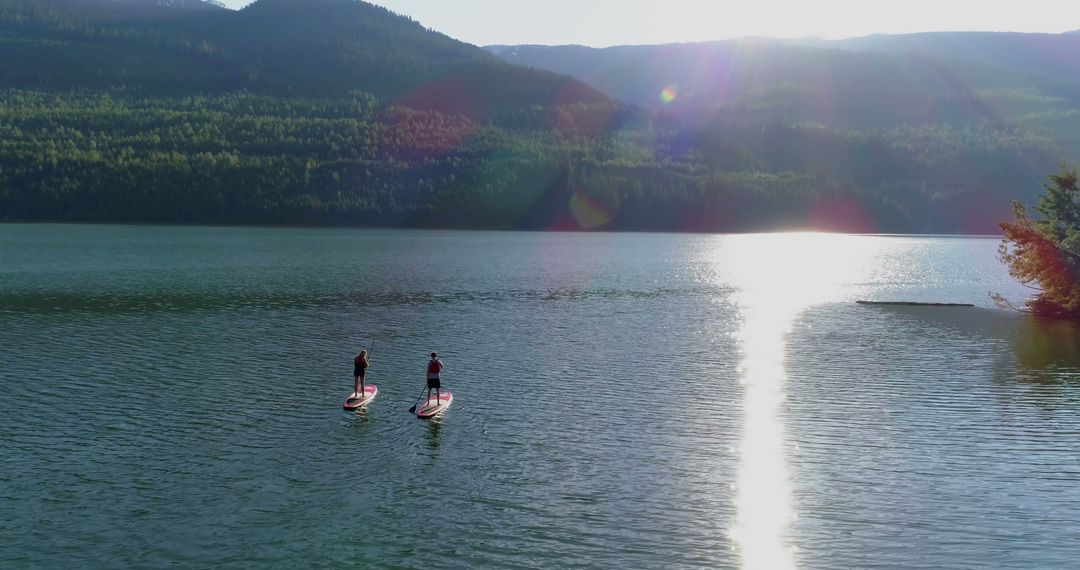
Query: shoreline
[[6, 222]]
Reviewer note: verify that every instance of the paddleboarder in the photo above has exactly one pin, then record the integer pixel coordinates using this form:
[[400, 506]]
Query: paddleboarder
[[434, 367], [360, 366]]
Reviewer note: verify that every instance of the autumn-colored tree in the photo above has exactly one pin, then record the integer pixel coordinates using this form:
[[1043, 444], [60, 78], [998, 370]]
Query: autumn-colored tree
[[1045, 253]]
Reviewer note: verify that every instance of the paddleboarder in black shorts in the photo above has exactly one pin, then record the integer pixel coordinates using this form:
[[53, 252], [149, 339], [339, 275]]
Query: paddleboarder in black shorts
[[434, 367], [360, 366]]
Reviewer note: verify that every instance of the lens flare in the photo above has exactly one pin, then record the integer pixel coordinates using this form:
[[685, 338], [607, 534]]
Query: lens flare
[[588, 213], [669, 94]]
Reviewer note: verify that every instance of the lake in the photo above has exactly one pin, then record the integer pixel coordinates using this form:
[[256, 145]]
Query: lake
[[172, 396]]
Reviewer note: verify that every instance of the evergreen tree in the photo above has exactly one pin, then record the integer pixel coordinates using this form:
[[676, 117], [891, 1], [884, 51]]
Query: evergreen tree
[[1045, 253]]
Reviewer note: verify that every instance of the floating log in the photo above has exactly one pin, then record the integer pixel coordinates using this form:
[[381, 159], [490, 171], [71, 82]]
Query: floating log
[[914, 304]]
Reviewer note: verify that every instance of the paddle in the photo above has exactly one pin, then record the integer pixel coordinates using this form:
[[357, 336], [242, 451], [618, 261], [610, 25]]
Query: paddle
[[412, 410]]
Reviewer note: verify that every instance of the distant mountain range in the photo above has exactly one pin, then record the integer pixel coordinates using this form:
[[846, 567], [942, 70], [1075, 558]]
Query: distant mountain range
[[341, 112], [931, 99], [875, 81]]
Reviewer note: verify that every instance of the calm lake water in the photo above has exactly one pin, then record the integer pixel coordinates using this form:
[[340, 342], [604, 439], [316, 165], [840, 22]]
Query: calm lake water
[[172, 396]]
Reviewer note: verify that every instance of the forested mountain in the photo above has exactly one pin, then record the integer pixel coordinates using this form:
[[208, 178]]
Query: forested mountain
[[1038, 57], [109, 10], [988, 113], [902, 78], [273, 46], [341, 112]]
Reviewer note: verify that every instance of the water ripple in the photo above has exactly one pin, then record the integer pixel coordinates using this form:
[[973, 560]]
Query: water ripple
[[173, 397]]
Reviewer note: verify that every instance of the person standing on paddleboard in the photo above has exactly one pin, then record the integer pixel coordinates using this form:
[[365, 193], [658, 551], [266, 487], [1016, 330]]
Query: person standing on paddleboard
[[434, 367], [360, 365]]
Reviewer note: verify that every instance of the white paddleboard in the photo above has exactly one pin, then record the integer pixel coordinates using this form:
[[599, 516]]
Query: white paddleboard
[[433, 407], [356, 400]]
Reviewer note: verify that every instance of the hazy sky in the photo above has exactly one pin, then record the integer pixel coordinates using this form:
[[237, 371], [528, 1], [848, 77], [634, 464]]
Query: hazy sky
[[612, 22]]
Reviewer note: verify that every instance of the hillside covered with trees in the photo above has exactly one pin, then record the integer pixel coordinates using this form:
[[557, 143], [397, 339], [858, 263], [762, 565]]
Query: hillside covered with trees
[[340, 112], [986, 113]]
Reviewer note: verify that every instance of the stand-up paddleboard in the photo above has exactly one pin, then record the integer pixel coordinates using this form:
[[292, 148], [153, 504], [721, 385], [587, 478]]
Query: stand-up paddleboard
[[355, 400], [432, 408]]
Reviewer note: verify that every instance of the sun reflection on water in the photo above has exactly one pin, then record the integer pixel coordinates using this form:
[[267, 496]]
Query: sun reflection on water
[[776, 277]]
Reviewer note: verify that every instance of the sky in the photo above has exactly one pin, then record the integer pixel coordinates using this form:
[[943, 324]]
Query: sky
[[602, 23]]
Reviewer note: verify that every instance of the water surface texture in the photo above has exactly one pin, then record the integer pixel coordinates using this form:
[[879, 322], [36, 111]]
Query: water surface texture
[[172, 396]]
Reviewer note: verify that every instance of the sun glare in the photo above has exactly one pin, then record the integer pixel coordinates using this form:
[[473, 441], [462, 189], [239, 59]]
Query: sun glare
[[775, 277]]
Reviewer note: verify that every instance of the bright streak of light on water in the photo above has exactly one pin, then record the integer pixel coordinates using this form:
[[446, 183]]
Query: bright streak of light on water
[[777, 277]]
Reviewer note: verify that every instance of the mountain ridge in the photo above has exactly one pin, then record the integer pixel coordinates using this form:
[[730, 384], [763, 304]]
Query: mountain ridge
[[881, 81], [286, 46]]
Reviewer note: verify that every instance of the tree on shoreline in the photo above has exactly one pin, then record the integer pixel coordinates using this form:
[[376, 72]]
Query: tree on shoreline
[[1045, 254]]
